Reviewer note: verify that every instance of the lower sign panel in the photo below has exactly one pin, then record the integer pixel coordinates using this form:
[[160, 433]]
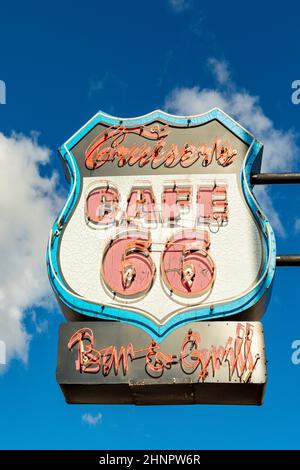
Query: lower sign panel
[[202, 362]]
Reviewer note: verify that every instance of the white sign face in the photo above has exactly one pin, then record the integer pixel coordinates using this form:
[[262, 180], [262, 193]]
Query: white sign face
[[161, 227]]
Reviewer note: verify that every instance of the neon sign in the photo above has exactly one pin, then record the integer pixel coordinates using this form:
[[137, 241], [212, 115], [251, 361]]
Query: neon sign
[[109, 146], [236, 353], [103, 204], [158, 244]]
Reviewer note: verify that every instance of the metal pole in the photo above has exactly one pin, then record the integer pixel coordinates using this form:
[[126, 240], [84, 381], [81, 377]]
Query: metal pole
[[279, 178], [275, 178], [288, 260]]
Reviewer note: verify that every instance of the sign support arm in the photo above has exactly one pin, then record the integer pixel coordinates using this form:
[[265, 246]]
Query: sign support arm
[[275, 178]]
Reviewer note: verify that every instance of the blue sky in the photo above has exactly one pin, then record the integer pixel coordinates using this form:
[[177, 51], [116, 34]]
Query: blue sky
[[61, 64]]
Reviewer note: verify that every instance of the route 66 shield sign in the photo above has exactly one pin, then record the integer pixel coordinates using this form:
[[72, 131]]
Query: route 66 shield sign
[[160, 227]]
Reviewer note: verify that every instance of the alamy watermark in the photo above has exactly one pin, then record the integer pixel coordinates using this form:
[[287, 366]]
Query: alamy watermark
[[296, 353], [296, 94], [2, 353], [2, 92]]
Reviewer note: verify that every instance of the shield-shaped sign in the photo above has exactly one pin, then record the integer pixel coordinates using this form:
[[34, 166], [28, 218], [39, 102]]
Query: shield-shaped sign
[[161, 227]]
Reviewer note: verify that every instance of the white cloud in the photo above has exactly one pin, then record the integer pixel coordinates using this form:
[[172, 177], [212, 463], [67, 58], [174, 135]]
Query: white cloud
[[297, 225], [92, 420], [262, 194], [40, 324], [180, 5], [280, 146], [107, 81], [96, 85], [28, 206], [220, 69]]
